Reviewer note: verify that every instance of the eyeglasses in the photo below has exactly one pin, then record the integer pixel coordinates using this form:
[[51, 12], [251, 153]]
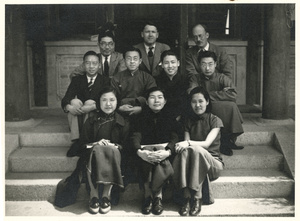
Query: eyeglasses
[[204, 65], [105, 44], [196, 37]]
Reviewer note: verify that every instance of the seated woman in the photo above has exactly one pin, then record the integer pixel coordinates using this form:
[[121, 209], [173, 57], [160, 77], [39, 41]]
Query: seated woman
[[198, 156], [103, 137], [223, 99], [154, 137]]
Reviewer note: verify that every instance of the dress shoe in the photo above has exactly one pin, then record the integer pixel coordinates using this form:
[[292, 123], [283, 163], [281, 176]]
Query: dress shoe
[[226, 151], [94, 205], [185, 209], [234, 146], [196, 207], [147, 206], [157, 207], [74, 149], [105, 205]]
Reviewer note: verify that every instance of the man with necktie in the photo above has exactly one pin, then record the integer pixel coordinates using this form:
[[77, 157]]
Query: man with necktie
[[111, 61], [82, 97], [151, 49], [201, 35]]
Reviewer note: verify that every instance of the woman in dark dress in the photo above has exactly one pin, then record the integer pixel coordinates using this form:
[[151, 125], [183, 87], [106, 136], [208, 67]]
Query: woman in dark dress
[[198, 156], [154, 139], [102, 141]]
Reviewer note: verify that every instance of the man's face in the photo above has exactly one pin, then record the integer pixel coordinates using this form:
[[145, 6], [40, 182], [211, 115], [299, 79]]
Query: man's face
[[150, 34], [170, 65], [208, 66], [106, 46], [156, 101], [91, 65], [200, 36], [132, 60]]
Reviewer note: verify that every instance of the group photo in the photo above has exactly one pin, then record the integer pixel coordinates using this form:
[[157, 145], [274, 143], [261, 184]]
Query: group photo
[[138, 110]]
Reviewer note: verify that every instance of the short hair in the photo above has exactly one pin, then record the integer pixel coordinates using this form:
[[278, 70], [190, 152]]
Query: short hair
[[107, 30], [207, 54], [132, 49], [152, 89], [168, 53], [104, 90], [205, 93], [90, 53], [151, 23]]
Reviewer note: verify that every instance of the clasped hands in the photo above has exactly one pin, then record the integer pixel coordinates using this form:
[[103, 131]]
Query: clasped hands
[[87, 107], [103, 142], [130, 109], [180, 146], [153, 157]]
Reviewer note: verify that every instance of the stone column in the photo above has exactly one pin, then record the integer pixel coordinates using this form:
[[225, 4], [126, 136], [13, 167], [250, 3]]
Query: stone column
[[183, 35], [16, 79], [276, 63]]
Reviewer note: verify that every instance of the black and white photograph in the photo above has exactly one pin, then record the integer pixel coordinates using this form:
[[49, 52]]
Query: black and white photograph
[[149, 109]]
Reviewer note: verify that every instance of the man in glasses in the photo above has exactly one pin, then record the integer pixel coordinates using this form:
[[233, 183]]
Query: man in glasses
[[201, 35], [111, 61]]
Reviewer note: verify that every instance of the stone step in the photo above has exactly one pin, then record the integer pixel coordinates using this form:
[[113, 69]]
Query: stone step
[[259, 207], [45, 138], [235, 183], [53, 159]]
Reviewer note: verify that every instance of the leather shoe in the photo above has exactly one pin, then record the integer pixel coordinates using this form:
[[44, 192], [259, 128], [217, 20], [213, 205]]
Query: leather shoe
[[74, 149], [234, 146], [226, 151], [94, 205], [185, 209], [196, 207], [157, 207], [105, 205], [147, 206]]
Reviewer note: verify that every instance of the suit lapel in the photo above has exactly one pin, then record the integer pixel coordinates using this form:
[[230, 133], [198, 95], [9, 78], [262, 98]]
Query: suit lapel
[[156, 57], [144, 56], [112, 64]]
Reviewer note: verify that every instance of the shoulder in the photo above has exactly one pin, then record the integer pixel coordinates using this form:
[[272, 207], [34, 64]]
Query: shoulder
[[79, 78], [192, 50], [139, 46], [215, 121], [162, 46], [117, 55]]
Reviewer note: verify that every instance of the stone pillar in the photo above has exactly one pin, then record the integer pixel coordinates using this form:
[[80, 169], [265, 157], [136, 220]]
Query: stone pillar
[[16, 79], [183, 35], [276, 63]]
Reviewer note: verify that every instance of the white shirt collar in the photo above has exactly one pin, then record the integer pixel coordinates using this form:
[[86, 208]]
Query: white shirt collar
[[103, 58], [147, 47]]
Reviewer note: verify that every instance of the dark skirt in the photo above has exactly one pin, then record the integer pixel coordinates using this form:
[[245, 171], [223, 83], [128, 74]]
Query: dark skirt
[[156, 174], [105, 165], [230, 115]]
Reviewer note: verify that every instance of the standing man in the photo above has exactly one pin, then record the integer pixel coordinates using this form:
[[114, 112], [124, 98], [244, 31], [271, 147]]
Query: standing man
[[200, 34], [151, 50], [111, 61]]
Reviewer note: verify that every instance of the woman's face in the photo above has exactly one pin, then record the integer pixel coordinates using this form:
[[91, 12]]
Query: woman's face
[[108, 102], [170, 65], [199, 103], [156, 101]]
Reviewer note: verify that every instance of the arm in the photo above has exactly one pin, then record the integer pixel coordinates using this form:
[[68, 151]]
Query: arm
[[208, 141], [192, 79], [121, 65], [228, 93]]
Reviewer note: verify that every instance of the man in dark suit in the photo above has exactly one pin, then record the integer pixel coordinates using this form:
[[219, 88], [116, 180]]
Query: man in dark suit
[[151, 50], [82, 96], [200, 34], [111, 61]]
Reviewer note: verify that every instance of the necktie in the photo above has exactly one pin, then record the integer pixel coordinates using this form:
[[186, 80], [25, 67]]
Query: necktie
[[106, 67], [150, 52], [90, 84]]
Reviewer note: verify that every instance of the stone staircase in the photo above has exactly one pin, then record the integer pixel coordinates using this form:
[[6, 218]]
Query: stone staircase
[[256, 180]]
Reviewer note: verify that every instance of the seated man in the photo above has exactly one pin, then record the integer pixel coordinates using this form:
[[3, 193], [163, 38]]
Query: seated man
[[111, 61], [223, 97], [151, 49], [81, 96], [132, 84]]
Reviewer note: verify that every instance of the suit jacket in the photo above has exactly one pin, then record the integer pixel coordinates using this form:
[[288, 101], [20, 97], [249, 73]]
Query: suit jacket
[[145, 66], [79, 87], [116, 65], [224, 64]]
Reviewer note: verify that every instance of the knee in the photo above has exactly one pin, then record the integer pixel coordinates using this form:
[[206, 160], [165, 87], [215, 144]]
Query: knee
[[76, 103]]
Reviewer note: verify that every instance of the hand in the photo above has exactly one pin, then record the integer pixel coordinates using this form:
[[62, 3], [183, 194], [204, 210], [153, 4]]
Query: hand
[[125, 107], [104, 142], [158, 156], [135, 110], [180, 146], [74, 110], [144, 154], [88, 108]]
